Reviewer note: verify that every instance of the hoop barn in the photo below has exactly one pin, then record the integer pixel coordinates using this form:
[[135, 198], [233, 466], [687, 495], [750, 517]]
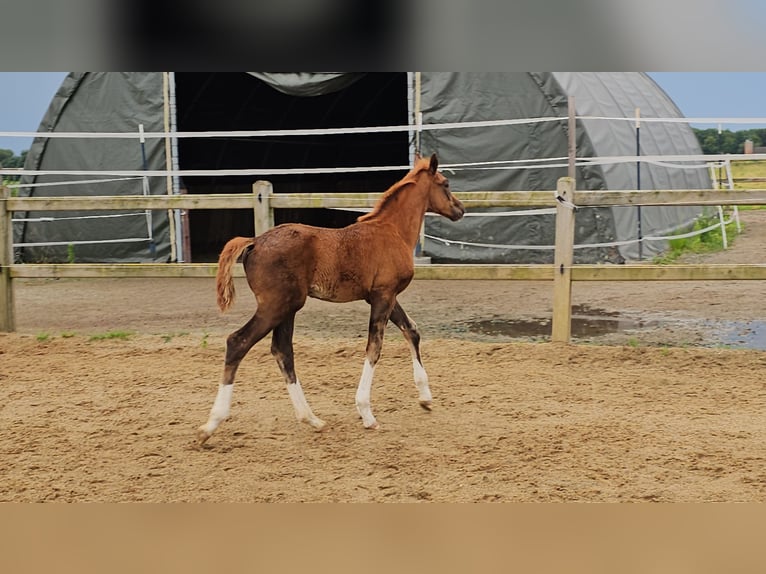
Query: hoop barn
[[523, 156]]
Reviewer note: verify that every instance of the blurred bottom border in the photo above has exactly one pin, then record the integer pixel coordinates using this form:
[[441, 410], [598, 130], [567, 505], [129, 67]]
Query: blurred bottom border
[[656, 538]]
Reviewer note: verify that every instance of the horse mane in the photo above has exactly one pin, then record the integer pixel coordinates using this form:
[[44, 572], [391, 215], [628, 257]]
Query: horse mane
[[420, 165]]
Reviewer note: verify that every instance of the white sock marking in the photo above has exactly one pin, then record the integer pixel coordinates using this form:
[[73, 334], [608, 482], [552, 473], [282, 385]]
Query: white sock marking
[[363, 395], [300, 404], [221, 408], [421, 380], [419, 373]]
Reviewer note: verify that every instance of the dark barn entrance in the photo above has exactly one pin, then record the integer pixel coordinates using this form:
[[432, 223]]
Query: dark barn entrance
[[240, 101]]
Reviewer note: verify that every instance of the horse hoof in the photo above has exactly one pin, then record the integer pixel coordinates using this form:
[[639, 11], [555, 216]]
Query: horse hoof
[[426, 405], [373, 426], [319, 425], [202, 436]]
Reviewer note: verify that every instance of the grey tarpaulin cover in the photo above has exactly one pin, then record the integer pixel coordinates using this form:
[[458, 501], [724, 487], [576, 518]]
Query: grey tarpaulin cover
[[307, 84], [455, 97], [119, 102], [99, 102]]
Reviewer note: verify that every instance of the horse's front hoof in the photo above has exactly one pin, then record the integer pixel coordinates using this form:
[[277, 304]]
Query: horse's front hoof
[[426, 405], [319, 425], [374, 425]]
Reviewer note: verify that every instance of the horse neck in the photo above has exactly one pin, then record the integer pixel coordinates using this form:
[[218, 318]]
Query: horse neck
[[406, 211]]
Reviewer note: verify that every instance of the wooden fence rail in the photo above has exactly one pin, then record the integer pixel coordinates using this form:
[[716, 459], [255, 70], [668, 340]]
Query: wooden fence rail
[[263, 202]]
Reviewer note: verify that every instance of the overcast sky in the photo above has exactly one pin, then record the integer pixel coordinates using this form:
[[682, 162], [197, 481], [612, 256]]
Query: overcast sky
[[24, 98]]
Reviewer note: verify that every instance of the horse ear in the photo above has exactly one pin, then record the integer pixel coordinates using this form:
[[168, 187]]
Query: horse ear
[[434, 165]]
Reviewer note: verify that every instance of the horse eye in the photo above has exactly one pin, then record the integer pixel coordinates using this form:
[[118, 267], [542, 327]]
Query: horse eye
[[446, 184]]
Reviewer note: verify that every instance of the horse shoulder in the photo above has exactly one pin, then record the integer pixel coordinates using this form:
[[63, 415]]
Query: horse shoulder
[[388, 255]]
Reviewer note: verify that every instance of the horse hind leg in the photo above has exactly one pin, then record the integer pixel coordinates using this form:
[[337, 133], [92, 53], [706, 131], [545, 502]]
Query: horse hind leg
[[237, 346], [411, 334], [282, 349]]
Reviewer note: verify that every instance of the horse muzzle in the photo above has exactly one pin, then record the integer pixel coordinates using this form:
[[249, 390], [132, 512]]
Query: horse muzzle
[[458, 210]]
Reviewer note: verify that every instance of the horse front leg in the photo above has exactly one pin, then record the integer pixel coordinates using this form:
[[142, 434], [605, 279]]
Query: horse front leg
[[380, 310], [282, 349], [411, 334]]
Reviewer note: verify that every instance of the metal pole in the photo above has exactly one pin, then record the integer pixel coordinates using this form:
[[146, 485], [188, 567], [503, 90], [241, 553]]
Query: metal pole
[[181, 217], [146, 191], [418, 112], [419, 248], [638, 184], [572, 146], [175, 254]]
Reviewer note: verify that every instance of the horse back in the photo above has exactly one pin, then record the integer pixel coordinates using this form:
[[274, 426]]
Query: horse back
[[338, 265]]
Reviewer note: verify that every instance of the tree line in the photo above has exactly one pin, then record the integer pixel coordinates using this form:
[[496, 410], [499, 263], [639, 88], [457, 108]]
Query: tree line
[[728, 141], [9, 159]]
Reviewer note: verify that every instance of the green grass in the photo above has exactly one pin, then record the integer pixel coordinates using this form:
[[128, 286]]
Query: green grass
[[122, 335], [42, 337], [748, 169], [712, 241], [170, 336], [708, 242]]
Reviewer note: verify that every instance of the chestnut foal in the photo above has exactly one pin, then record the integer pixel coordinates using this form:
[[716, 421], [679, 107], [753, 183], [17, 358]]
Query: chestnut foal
[[371, 259]]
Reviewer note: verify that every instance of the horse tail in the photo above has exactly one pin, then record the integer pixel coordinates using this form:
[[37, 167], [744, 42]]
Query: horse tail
[[224, 282]]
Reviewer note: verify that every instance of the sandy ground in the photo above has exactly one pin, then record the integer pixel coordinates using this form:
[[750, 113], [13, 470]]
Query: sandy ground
[[102, 388]]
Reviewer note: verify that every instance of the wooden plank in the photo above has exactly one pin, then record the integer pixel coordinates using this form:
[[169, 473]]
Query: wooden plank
[[671, 197], [469, 198], [472, 200], [114, 203], [638, 272], [114, 270], [712, 272], [7, 306], [485, 272], [427, 272], [561, 324], [209, 201], [328, 200]]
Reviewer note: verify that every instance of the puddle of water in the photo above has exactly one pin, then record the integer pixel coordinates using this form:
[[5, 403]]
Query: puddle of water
[[744, 335], [592, 322], [586, 322]]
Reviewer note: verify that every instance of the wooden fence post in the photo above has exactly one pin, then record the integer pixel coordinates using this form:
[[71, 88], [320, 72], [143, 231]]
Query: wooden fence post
[[7, 318], [562, 260], [262, 211]]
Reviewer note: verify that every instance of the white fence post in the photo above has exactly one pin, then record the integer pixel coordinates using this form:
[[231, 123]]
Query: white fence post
[[562, 261]]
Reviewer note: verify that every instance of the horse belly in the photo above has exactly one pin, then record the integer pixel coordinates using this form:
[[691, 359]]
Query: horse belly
[[337, 287], [322, 291]]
